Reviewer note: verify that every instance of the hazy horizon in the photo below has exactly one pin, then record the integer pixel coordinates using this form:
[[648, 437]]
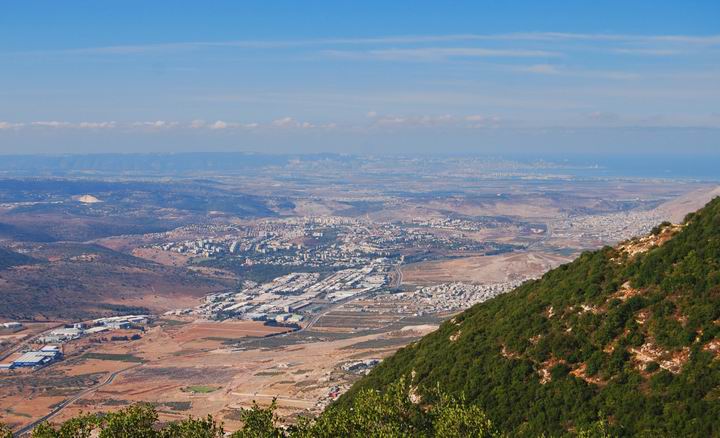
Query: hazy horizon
[[185, 164]]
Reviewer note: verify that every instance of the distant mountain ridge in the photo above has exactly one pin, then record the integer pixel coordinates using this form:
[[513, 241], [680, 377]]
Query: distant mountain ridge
[[150, 162], [627, 335]]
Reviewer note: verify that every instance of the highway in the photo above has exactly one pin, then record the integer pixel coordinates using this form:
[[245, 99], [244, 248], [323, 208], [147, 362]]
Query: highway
[[330, 308], [27, 429], [399, 278]]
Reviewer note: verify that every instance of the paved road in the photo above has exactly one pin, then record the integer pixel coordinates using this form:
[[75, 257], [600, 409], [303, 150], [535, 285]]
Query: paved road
[[332, 307], [27, 429], [545, 237], [399, 278], [322, 313]]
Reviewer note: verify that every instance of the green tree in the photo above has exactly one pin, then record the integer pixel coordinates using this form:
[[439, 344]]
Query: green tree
[[398, 412], [194, 428], [136, 421], [5, 431], [453, 418], [81, 426], [599, 429], [259, 422], [391, 413]]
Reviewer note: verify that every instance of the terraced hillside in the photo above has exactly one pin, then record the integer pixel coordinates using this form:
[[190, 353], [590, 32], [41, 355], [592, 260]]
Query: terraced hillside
[[627, 335]]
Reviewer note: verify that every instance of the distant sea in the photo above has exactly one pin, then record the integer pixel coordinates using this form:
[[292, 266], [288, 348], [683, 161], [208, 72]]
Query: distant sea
[[702, 168]]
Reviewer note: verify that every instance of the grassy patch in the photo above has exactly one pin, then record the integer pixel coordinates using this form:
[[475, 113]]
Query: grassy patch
[[307, 383], [200, 389], [173, 405], [269, 373], [201, 260], [219, 339], [103, 402], [115, 357], [11, 411], [379, 343], [172, 322], [233, 414]]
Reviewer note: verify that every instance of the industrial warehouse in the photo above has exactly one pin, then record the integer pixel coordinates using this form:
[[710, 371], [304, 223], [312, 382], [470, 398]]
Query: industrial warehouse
[[34, 359], [51, 341]]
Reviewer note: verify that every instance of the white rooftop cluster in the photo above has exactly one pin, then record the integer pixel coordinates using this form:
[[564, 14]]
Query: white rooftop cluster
[[445, 297], [76, 331], [608, 228], [292, 293]]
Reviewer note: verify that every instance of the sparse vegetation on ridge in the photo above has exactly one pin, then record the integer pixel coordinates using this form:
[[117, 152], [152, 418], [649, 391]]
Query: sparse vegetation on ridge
[[392, 413]]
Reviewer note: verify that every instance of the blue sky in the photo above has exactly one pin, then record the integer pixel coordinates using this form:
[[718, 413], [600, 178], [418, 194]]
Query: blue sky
[[372, 76]]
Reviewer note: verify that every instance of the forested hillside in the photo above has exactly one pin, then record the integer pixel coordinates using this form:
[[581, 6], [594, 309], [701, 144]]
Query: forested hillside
[[628, 335], [9, 258]]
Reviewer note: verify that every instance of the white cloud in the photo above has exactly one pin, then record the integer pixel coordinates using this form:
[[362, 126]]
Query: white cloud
[[603, 116], [440, 53], [650, 52], [389, 120], [219, 125], [707, 40], [690, 40], [95, 125], [448, 120], [585, 117], [285, 122], [51, 124], [481, 121], [157, 124], [549, 69], [144, 125], [54, 124], [544, 69], [290, 122]]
